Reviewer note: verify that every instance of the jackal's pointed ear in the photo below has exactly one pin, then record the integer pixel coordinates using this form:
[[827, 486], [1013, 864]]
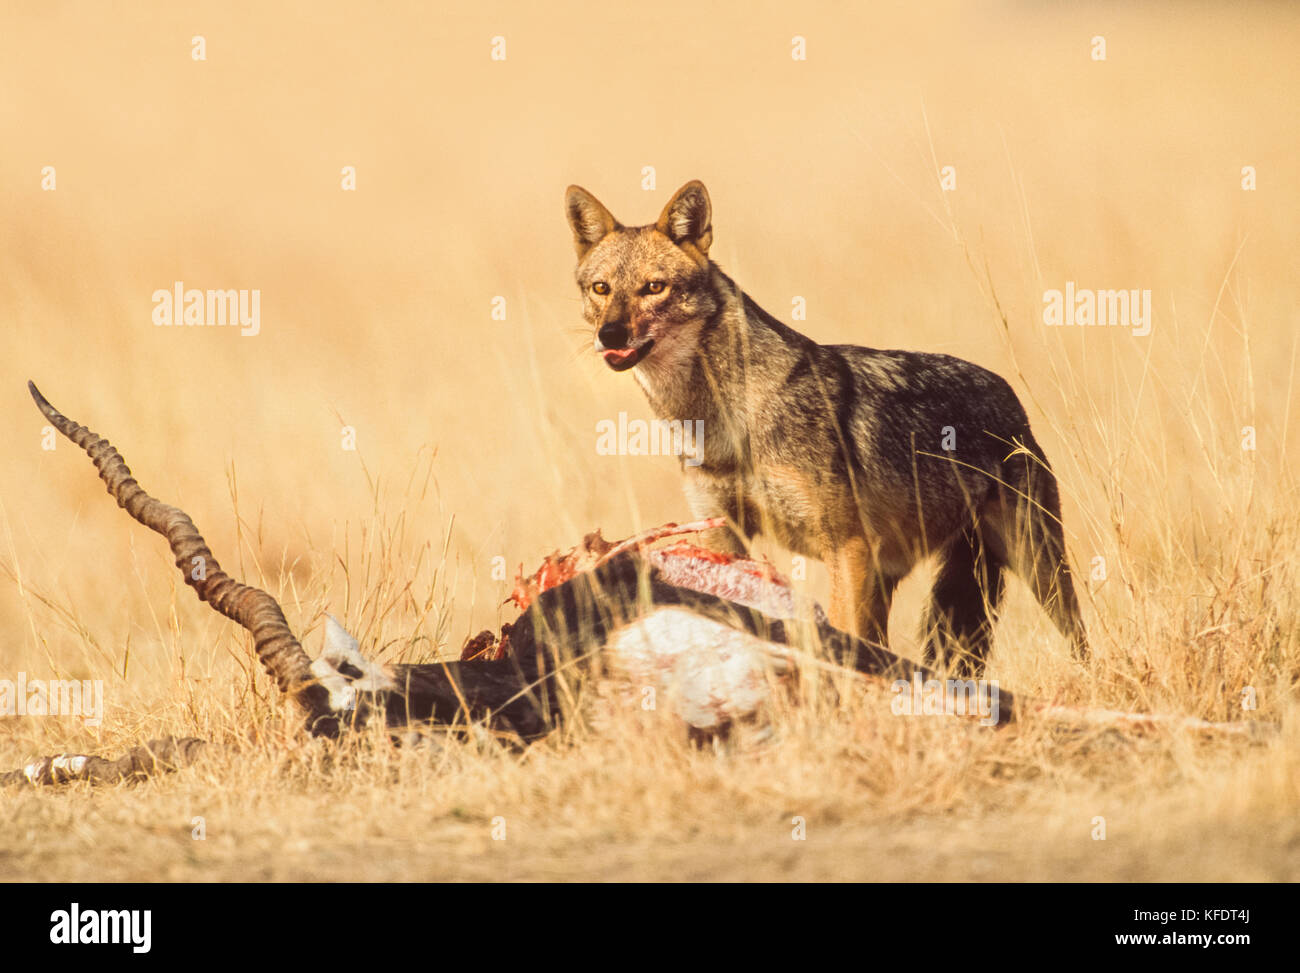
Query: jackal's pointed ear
[[688, 218], [589, 220]]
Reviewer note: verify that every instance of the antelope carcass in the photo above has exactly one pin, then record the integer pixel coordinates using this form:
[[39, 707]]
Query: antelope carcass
[[711, 633]]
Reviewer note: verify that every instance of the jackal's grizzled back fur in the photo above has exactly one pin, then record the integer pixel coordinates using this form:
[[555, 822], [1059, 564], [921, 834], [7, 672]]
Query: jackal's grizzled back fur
[[867, 459]]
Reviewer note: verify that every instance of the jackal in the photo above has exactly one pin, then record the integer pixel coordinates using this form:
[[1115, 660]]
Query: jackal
[[868, 460]]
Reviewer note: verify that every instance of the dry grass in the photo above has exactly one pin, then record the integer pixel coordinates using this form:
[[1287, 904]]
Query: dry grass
[[476, 437]]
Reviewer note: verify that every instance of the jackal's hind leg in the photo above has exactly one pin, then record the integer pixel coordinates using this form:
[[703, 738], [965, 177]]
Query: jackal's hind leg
[[963, 604]]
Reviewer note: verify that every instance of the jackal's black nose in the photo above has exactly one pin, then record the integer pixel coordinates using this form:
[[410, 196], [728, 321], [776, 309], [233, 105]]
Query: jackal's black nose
[[613, 334]]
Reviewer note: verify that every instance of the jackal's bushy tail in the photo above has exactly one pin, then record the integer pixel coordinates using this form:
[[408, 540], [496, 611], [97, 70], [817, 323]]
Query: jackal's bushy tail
[[1034, 539]]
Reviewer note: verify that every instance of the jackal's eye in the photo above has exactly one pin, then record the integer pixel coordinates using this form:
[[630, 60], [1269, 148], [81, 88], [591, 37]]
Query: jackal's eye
[[600, 287], [656, 286]]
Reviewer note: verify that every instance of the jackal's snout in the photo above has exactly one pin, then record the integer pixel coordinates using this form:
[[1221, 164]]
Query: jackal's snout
[[620, 339], [614, 321], [620, 345], [613, 335]]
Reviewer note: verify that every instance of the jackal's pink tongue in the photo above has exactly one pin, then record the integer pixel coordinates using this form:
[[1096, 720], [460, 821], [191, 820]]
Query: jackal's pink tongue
[[619, 354]]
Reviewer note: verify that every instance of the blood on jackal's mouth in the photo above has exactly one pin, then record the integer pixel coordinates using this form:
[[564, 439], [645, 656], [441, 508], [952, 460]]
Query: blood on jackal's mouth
[[621, 359]]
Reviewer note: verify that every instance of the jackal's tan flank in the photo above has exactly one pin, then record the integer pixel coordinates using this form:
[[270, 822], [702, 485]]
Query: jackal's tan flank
[[836, 451]]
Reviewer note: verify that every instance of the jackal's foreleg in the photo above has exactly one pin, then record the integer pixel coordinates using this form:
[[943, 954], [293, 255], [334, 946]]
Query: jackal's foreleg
[[861, 592]]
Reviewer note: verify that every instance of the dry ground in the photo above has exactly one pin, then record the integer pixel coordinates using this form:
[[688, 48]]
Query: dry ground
[[476, 437]]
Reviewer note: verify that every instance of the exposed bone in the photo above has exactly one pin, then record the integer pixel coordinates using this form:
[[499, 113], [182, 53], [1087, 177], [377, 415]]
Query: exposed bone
[[155, 757]]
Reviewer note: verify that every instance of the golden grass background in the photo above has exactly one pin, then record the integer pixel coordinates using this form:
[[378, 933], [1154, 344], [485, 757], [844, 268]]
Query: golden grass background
[[477, 437]]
